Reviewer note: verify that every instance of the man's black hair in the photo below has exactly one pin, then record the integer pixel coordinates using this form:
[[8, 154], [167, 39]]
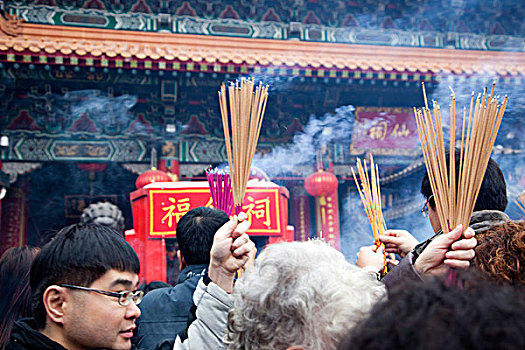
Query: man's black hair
[[434, 316], [492, 194], [79, 255], [195, 231]]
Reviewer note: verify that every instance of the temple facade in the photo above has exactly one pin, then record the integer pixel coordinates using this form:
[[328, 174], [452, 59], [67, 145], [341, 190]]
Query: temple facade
[[89, 87]]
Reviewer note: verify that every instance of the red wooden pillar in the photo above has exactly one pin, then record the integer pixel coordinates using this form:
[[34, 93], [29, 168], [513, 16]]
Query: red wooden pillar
[[151, 251], [13, 228], [301, 213]]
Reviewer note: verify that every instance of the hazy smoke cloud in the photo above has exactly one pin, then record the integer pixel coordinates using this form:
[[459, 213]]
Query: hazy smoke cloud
[[104, 109], [302, 150]]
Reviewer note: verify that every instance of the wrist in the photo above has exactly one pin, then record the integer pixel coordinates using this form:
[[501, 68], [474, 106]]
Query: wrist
[[418, 267], [373, 271], [221, 277]]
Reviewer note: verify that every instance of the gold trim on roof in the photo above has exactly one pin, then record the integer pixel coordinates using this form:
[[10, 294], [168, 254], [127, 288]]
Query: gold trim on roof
[[38, 38]]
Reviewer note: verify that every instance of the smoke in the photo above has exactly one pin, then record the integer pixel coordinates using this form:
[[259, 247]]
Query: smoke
[[106, 110], [355, 227], [318, 132], [100, 107], [59, 111]]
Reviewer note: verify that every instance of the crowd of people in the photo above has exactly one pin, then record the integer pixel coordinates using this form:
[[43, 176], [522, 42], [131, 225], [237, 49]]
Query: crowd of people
[[81, 289]]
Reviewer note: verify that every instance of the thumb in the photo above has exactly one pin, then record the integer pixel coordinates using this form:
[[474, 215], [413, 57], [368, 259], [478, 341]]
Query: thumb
[[242, 216], [452, 236], [469, 233]]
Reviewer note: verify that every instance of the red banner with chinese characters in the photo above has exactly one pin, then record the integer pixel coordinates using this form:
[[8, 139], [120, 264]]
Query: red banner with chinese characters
[[385, 131], [166, 206], [327, 219]]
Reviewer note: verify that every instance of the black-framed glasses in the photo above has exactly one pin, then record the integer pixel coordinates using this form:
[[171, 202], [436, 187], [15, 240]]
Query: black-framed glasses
[[124, 298], [424, 210]]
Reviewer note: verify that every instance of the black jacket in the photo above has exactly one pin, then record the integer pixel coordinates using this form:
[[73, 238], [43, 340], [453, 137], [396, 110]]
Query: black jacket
[[166, 311], [25, 336]]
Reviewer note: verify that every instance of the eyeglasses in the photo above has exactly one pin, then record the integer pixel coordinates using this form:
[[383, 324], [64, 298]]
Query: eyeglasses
[[424, 210], [124, 298]]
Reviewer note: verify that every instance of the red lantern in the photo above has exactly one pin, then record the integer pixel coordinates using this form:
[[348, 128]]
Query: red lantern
[[151, 176], [321, 183]]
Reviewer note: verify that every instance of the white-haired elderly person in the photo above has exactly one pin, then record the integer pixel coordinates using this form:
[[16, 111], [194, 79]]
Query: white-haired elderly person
[[300, 295]]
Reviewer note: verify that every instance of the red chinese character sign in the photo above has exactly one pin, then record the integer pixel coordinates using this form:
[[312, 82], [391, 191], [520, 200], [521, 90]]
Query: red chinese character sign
[[385, 131], [157, 208], [168, 204]]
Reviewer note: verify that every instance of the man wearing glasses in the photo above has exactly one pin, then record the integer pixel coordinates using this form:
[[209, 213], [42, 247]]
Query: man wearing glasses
[[429, 257], [83, 285], [488, 211], [84, 288]]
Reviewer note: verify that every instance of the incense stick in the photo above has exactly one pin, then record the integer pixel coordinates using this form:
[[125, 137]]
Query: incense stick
[[246, 111], [520, 202]]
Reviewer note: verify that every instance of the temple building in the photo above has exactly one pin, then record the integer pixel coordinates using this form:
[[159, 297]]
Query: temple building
[[90, 87]]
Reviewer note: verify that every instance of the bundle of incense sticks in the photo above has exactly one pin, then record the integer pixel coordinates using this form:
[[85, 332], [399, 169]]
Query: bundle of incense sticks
[[455, 198], [246, 110], [220, 190], [370, 194]]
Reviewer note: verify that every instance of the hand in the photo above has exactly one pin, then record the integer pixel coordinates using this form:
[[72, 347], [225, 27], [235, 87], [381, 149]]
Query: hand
[[436, 259], [398, 242], [230, 251], [371, 256]]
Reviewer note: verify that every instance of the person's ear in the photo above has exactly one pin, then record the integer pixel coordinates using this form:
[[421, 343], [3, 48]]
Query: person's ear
[[55, 300], [182, 262]]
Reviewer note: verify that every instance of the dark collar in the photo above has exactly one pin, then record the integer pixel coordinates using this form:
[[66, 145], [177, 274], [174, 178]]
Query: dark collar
[[485, 219], [192, 271], [25, 333]]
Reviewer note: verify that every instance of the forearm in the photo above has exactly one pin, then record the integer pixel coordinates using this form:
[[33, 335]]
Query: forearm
[[208, 330]]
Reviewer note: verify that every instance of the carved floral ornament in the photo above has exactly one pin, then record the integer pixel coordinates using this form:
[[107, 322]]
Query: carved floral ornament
[[50, 39]]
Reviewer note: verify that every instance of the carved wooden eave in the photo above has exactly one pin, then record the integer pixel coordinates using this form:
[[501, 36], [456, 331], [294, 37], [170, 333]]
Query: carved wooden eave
[[42, 40]]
